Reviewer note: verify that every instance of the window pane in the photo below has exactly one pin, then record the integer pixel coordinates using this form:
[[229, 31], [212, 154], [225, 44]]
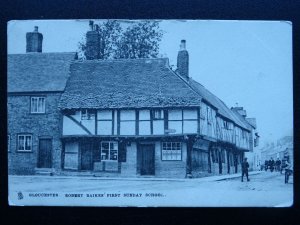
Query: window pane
[[21, 143], [28, 143], [105, 145], [175, 114], [144, 115], [104, 154], [34, 106], [171, 151], [158, 114], [41, 102], [113, 154]]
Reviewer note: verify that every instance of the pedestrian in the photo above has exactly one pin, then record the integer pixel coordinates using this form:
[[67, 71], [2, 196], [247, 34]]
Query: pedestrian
[[271, 164], [278, 163], [266, 165], [288, 171], [245, 166]]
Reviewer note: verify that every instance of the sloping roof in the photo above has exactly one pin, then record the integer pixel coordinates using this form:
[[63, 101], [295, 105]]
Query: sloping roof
[[218, 103], [125, 83], [38, 72], [242, 119]]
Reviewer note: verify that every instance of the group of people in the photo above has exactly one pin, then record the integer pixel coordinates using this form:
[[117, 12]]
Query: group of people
[[274, 165], [278, 165]]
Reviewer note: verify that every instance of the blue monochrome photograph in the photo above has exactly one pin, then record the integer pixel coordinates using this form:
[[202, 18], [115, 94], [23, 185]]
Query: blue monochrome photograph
[[150, 113]]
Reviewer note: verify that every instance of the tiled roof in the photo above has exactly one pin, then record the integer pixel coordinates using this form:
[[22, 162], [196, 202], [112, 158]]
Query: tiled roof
[[38, 72], [219, 104], [241, 119], [124, 83]]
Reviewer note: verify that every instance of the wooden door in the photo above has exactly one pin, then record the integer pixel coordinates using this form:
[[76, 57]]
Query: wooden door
[[86, 156], [147, 159], [45, 153]]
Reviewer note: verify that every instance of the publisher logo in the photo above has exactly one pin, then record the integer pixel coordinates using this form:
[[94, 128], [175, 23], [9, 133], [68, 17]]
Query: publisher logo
[[20, 195]]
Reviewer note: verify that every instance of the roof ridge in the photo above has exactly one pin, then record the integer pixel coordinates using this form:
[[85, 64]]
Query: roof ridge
[[41, 53], [120, 60]]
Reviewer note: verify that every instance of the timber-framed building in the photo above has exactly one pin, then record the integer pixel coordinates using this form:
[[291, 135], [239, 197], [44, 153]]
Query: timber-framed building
[[123, 117]]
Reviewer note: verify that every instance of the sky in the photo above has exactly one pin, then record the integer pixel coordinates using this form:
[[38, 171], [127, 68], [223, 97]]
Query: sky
[[244, 63]]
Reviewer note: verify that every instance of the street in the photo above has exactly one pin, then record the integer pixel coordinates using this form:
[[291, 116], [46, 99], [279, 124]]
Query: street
[[264, 190]]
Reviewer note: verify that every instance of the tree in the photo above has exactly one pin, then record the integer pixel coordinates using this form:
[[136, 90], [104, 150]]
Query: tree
[[109, 32], [139, 40]]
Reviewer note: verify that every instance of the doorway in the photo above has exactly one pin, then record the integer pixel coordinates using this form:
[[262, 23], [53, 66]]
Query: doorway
[[147, 152], [45, 153], [86, 149]]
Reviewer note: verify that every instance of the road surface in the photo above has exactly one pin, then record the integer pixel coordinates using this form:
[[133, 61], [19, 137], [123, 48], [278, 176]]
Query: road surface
[[264, 190]]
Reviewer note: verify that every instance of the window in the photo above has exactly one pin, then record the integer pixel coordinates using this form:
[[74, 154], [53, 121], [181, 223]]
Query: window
[[24, 143], [171, 151], [87, 114], [37, 105], [8, 143], [109, 150], [105, 122], [158, 114]]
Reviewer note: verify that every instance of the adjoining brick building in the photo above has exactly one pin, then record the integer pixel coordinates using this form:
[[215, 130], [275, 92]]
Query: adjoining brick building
[[35, 83], [126, 117]]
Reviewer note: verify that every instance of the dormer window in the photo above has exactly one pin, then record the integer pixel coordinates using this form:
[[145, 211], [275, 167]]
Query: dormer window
[[37, 105], [158, 114], [87, 114]]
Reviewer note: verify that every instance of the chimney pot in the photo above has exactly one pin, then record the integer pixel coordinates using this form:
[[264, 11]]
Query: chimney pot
[[91, 24], [183, 45]]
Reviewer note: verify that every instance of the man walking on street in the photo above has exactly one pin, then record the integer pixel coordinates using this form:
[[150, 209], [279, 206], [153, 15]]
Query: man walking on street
[[245, 166]]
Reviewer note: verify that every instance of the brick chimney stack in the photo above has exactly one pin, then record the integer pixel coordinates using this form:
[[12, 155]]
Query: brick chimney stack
[[34, 41], [183, 60], [92, 42]]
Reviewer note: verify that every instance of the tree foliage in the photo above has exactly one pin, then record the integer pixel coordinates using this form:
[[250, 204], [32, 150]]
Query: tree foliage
[[137, 40]]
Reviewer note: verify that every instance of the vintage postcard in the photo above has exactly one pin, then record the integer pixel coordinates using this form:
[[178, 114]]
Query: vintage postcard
[[191, 113]]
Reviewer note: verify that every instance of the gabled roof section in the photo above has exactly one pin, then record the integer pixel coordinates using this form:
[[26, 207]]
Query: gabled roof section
[[126, 83], [242, 119], [223, 110], [38, 72]]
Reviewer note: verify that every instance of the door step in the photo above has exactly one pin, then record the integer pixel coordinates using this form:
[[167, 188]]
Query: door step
[[44, 171]]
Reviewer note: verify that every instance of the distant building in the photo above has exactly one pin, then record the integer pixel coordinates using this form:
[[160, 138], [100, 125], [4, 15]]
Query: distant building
[[127, 117], [283, 149]]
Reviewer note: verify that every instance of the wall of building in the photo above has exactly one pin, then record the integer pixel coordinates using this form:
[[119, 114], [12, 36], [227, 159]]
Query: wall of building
[[173, 169], [21, 121], [129, 168]]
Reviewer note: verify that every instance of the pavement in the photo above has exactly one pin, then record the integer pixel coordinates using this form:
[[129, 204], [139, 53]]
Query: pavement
[[209, 178], [265, 189]]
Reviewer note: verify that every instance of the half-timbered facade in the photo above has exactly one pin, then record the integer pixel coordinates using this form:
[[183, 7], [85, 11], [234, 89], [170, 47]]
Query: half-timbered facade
[[123, 117]]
